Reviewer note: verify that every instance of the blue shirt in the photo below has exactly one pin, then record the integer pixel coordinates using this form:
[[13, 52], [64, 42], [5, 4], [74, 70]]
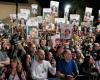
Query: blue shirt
[[67, 68]]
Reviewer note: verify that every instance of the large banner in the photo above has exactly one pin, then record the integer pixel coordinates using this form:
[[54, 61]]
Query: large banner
[[88, 13], [74, 19], [34, 9], [54, 5]]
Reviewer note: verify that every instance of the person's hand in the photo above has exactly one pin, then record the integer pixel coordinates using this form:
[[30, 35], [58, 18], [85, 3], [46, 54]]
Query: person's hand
[[1, 65], [53, 63]]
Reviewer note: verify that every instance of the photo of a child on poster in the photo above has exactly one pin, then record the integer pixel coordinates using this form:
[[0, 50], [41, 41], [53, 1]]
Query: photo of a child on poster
[[54, 5], [99, 16], [34, 8], [74, 19], [88, 13]]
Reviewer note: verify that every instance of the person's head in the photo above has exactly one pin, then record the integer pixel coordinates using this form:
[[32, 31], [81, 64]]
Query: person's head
[[49, 56], [41, 54], [42, 42], [67, 31], [88, 60], [67, 55], [60, 49], [16, 64], [97, 46], [32, 48]]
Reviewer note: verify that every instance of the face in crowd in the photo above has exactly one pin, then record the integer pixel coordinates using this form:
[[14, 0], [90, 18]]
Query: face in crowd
[[41, 54]]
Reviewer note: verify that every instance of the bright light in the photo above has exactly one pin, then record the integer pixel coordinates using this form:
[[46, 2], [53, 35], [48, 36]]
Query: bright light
[[67, 8]]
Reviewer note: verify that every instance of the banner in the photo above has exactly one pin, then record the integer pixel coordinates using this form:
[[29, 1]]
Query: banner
[[34, 8], [54, 5], [88, 13], [74, 19]]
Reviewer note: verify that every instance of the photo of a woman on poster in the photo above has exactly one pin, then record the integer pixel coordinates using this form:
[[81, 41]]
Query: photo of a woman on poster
[[54, 11]]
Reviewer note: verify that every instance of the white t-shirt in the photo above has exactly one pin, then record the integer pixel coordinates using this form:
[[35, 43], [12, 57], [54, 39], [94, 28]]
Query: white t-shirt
[[40, 71]]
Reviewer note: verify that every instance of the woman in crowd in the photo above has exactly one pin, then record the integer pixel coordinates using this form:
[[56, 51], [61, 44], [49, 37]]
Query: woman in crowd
[[15, 71], [88, 68]]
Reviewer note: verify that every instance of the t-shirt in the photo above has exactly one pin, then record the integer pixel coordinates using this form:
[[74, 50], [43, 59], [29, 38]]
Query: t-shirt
[[40, 71], [67, 68]]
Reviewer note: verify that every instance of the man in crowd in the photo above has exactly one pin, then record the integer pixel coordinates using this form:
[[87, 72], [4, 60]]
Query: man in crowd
[[40, 67], [67, 67]]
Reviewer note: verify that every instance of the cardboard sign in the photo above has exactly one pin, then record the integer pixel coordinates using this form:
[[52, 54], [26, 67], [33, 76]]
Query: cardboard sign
[[34, 8], [54, 5]]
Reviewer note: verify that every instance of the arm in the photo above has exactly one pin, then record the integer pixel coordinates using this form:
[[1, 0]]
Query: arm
[[5, 62], [52, 68]]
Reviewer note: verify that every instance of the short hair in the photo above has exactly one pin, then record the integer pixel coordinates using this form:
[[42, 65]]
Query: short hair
[[66, 51]]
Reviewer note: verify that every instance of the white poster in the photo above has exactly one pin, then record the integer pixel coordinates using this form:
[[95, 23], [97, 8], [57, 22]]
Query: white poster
[[66, 13], [74, 19], [88, 13], [47, 14], [34, 8], [32, 22], [99, 16], [25, 11], [32, 32], [91, 20], [54, 5], [13, 16], [55, 39], [23, 16], [40, 19], [60, 24]]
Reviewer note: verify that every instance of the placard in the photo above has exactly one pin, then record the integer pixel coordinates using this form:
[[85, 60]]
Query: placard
[[34, 8], [54, 5]]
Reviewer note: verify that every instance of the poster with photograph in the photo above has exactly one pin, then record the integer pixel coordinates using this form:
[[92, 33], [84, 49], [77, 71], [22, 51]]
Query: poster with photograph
[[54, 5], [60, 24], [74, 19], [32, 22], [88, 13], [25, 11], [47, 14], [32, 32], [12, 16], [66, 13], [34, 9], [23, 16], [55, 39], [99, 16], [91, 20]]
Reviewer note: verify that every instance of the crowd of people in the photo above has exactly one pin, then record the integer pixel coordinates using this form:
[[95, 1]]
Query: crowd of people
[[77, 58]]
